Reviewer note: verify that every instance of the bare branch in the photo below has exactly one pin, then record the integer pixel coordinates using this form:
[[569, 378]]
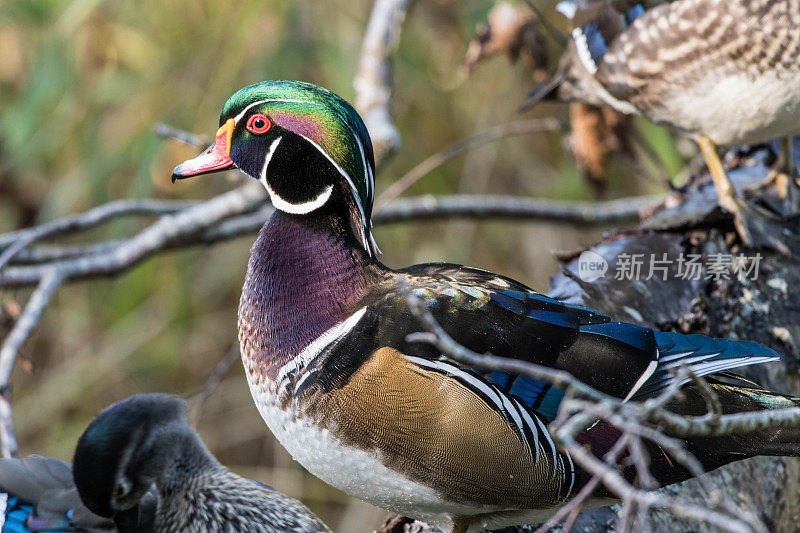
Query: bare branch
[[95, 217], [14, 342], [15, 241], [373, 81], [8, 437], [618, 485], [519, 127], [243, 212], [481, 206], [27, 323], [166, 232]]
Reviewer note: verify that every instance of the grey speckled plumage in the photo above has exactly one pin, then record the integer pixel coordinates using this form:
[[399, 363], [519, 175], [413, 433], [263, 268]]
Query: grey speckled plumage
[[147, 440], [139, 468], [726, 69], [724, 72], [218, 500]]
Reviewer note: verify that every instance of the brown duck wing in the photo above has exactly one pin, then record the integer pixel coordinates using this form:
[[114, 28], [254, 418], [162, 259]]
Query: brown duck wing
[[432, 427]]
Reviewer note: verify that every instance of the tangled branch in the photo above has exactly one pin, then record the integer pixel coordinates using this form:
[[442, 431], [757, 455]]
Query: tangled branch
[[650, 420]]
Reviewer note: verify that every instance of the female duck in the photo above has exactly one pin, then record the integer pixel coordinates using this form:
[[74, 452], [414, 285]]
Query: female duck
[[140, 467]]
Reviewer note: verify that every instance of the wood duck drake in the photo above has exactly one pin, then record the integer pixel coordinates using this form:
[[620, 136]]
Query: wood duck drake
[[139, 467], [323, 326], [724, 72]]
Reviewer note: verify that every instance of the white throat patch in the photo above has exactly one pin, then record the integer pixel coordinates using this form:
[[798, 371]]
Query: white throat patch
[[283, 205]]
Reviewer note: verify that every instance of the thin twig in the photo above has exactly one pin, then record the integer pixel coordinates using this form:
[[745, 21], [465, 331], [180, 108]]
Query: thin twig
[[13, 343], [519, 127], [215, 377], [711, 398], [641, 461], [554, 32], [170, 132], [571, 509], [618, 485], [27, 322]]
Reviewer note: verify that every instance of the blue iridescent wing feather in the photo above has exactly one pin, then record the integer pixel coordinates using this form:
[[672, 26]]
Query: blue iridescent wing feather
[[488, 313]]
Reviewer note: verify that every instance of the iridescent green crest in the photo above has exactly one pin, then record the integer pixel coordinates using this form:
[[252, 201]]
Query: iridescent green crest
[[327, 121]]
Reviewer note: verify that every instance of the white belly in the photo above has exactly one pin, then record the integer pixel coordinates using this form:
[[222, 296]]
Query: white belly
[[361, 475], [737, 108], [351, 470]]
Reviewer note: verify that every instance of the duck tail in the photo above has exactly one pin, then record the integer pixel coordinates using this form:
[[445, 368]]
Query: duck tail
[[714, 452], [702, 355]]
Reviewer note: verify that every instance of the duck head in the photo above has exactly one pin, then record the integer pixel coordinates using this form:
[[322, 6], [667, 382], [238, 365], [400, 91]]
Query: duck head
[[123, 452], [306, 145]]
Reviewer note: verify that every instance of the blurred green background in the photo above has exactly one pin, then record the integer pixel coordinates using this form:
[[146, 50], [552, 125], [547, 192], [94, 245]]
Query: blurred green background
[[82, 83]]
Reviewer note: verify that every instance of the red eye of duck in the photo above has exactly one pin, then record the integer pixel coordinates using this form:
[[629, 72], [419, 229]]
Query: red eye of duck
[[258, 124]]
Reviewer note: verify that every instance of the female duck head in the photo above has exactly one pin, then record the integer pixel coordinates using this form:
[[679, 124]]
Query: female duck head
[[123, 452], [306, 145]]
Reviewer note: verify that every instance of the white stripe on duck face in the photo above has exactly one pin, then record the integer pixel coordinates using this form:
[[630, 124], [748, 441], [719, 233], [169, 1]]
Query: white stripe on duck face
[[353, 189], [280, 203], [368, 176], [328, 338]]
